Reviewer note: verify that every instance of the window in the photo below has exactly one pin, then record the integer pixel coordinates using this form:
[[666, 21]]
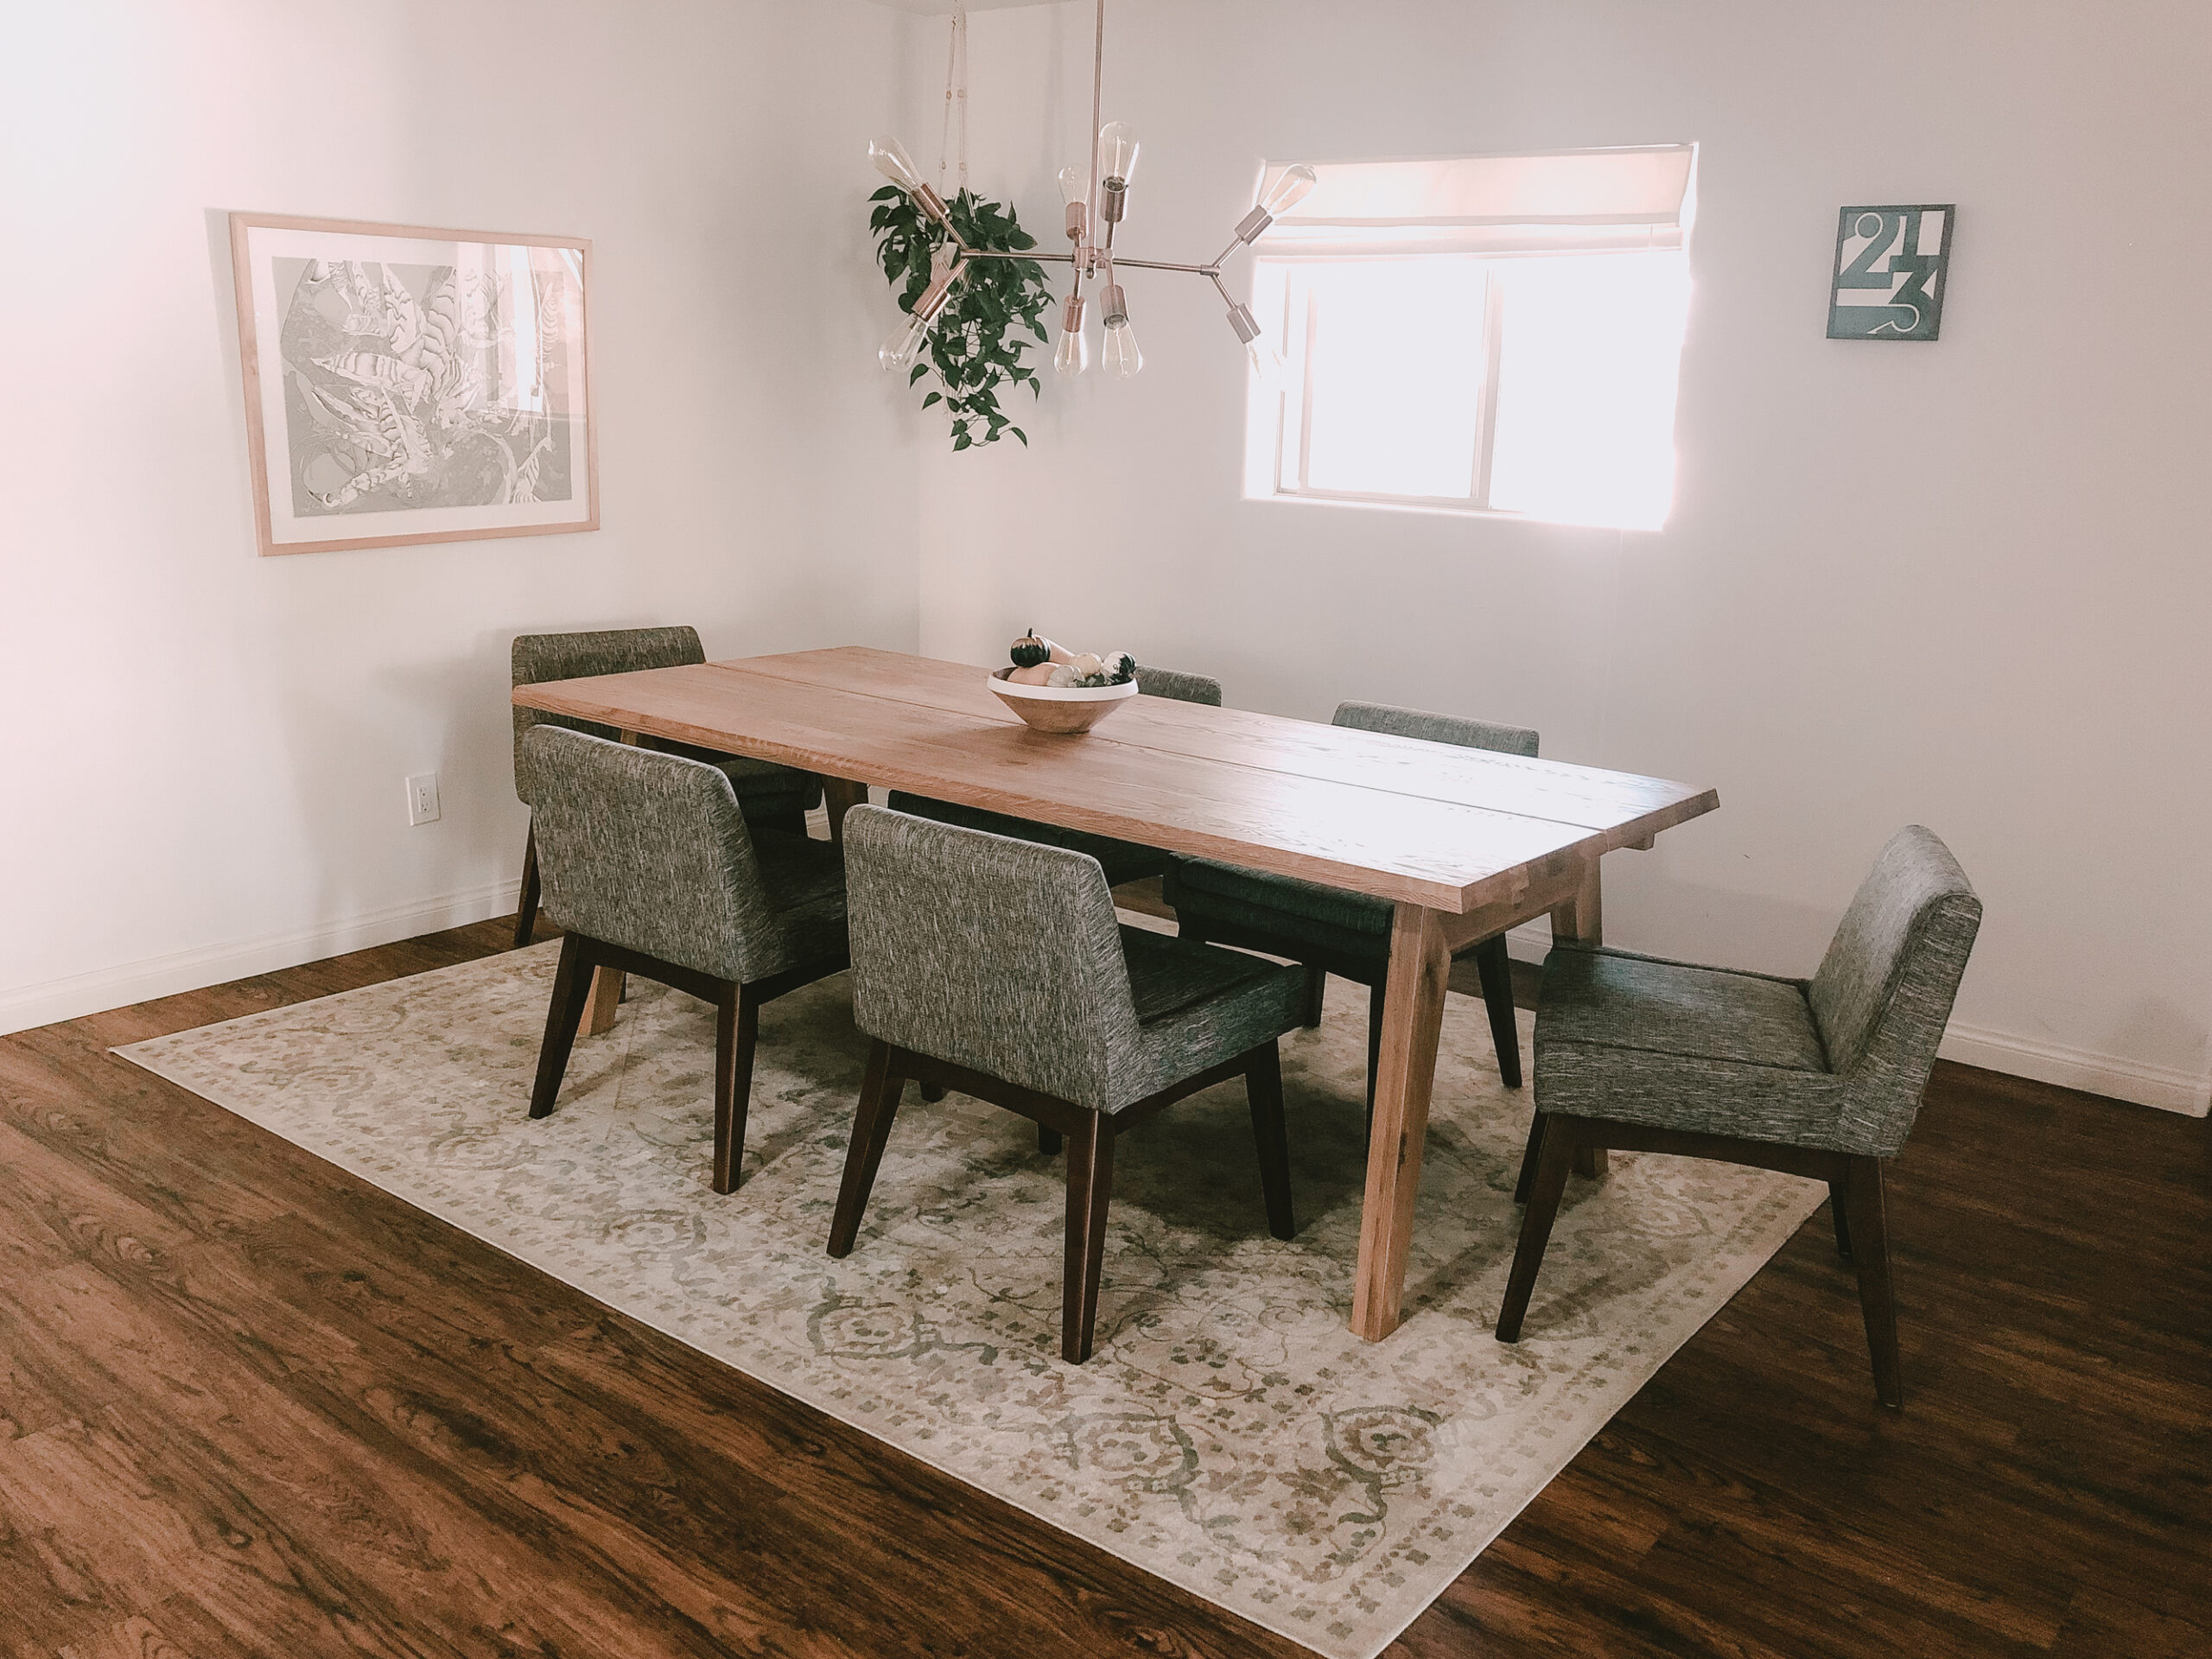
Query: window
[[1491, 334]]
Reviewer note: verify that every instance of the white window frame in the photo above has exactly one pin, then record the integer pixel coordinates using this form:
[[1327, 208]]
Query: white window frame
[[1278, 443], [1289, 476]]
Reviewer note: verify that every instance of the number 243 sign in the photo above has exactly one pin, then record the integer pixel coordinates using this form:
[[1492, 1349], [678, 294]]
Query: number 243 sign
[[1890, 267]]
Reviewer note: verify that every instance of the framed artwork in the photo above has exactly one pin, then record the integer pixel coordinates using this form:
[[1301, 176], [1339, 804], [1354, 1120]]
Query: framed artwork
[[1890, 267], [404, 385]]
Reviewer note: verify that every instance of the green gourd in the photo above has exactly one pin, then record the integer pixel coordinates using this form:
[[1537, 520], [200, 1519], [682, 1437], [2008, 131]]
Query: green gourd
[[1029, 651]]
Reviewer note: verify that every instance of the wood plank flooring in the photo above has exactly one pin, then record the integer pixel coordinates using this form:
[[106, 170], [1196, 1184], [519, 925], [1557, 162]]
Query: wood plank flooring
[[250, 1405]]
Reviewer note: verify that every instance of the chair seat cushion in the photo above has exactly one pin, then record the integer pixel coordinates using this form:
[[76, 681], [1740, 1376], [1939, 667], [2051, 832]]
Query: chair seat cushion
[[1619, 1000], [1168, 974], [1122, 861], [1676, 1045], [804, 880], [1198, 1005]]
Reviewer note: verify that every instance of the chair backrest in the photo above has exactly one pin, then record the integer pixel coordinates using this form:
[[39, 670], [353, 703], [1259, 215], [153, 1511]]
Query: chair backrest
[[649, 851], [1001, 955], [538, 658], [1172, 683], [1436, 728], [1885, 990]]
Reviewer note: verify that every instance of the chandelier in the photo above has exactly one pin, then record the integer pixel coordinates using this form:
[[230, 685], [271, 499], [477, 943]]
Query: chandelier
[[1096, 195]]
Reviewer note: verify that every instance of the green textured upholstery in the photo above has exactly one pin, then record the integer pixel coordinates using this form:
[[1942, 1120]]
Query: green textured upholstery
[[1003, 955], [1836, 1063], [645, 862], [649, 852], [995, 965], [1820, 1078], [1122, 861], [1178, 686]]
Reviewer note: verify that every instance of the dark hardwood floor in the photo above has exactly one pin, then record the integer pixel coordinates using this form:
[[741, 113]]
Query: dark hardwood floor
[[249, 1404]]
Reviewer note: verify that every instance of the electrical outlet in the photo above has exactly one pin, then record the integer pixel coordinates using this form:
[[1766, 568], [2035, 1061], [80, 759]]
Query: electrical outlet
[[422, 797]]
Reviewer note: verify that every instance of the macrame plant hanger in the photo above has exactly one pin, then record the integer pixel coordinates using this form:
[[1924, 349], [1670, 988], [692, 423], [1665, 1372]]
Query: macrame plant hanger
[[956, 97]]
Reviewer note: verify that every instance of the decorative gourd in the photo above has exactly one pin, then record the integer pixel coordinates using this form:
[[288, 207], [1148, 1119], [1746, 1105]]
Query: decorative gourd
[[1035, 674], [1029, 651], [1120, 668]]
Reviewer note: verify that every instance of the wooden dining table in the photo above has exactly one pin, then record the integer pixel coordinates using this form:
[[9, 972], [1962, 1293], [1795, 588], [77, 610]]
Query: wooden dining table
[[1463, 843]]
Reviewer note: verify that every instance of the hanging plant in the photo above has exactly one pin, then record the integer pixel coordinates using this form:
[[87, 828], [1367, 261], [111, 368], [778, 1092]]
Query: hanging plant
[[977, 343]]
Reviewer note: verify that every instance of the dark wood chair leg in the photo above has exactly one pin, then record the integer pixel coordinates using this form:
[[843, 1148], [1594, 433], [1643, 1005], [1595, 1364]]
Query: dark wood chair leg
[[571, 990], [879, 1105], [1048, 1141], [737, 1028], [1591, 1162], [1090, 1186], [526, 906], [1495, 968], [1529, 1157], [1839, 1206], [1316, 992], [933, 1088], [1375, 997], [1558, 1144], [1263, 1087], [1870, 1255]]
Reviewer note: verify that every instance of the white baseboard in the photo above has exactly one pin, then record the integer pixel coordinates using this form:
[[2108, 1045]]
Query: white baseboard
[[2109, 1075], [190, 970]]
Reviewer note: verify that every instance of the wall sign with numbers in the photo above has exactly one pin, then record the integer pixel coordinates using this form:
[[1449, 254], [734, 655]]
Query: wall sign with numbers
[[1891, 266]]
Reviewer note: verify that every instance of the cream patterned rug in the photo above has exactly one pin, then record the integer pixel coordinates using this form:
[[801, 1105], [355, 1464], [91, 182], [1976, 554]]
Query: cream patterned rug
[[1230, 1435]]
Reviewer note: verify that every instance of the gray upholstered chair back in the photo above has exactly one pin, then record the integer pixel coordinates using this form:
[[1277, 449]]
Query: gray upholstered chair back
[[998, 955], [1436, 729], [538, 658], [1884, 991], [1183, 688], [649, 851]]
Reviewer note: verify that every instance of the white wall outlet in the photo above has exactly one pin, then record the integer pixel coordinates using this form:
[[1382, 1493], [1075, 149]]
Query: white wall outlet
[[422, 797]]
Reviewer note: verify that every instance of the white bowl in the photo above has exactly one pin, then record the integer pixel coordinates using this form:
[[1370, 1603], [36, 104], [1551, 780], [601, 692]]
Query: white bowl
[[1066, 709]]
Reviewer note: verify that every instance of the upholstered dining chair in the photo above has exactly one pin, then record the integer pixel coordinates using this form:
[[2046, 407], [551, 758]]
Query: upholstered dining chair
[[1123, 861], [996, 965], [1819, 1077], [650, 866], [766, 793], [1332, 931]]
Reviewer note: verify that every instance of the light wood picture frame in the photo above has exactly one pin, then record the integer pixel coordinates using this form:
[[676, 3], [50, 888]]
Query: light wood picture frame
[[408, 385]]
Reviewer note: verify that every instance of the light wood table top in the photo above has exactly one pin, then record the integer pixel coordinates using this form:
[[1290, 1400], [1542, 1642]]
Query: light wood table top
[[1464, 844], [1400, 819]]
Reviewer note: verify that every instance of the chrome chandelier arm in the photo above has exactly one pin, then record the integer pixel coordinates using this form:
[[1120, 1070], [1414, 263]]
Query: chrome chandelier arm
[[966, 252]]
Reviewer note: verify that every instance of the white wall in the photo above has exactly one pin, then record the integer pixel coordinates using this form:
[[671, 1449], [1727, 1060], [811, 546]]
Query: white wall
[[200, 768], [1963, 583]]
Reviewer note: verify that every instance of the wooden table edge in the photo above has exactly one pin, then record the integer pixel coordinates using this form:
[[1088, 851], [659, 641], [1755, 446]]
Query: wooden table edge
[[1451, 898]]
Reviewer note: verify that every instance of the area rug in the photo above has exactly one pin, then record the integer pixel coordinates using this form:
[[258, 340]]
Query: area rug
[[1230, 1433]]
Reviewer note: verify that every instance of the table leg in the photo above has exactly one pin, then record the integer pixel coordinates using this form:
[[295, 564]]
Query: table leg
[[606, 987], [1581, 920], [1413, 1017], [841, 796]]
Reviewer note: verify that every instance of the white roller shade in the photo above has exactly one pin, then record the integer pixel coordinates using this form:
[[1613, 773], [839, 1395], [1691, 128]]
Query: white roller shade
[[1566, 201]]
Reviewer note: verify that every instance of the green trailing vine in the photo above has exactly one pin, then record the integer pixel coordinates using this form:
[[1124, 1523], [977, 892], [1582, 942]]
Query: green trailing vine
[[977, 344]]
